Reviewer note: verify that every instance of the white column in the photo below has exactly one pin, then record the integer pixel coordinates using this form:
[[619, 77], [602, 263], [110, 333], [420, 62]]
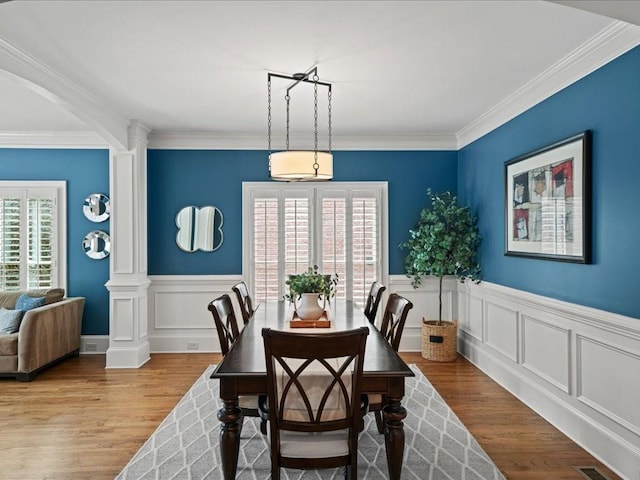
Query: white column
[[128, 282]]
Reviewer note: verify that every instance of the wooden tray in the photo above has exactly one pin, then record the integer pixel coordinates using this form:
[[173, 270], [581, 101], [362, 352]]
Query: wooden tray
[[297, 322]]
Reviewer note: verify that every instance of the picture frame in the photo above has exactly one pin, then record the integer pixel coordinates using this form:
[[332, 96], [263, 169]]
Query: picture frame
[[548, 202]]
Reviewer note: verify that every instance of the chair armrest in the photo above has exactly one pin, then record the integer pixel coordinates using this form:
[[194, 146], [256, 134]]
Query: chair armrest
[[49, 332]]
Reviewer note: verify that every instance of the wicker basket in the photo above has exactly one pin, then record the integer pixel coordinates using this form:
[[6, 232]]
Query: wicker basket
[[439, 342]]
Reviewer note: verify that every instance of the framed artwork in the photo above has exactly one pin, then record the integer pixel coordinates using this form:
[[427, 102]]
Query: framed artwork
[[547, 202]]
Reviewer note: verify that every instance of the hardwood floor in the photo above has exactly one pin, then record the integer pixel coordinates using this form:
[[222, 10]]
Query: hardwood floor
[[78, 420]]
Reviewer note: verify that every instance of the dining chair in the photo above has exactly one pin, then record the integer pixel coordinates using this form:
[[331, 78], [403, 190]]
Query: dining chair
[[393, 320], [225, 319], [313, 385], [373, 301], [244, 300]]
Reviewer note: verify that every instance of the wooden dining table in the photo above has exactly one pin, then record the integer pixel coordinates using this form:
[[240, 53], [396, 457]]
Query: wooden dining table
[[243, 372]]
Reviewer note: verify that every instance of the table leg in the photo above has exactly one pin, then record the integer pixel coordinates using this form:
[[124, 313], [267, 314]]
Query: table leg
[[231, 417], [394, 413]]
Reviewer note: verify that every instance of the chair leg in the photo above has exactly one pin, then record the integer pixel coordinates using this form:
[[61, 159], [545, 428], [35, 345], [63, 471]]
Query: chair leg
[[379, 420], [347, 472], [263, 426]]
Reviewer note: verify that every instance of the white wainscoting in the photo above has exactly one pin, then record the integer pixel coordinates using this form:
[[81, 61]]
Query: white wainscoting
[[575, 366], [178, 317], [425, 305]]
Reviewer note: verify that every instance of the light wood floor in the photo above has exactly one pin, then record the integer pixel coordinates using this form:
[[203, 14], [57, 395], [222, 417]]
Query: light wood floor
[[78, 420]]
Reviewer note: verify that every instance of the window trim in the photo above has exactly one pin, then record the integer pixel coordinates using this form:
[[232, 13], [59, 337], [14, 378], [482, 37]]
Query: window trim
[[250, 189], [60, 187]]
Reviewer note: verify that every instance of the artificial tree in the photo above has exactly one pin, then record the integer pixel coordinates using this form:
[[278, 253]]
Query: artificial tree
[[444, 242]]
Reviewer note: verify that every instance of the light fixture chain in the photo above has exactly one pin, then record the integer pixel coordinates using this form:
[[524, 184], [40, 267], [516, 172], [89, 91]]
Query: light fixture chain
[[315, 124], [287, 98], [329, 99], [269, 117]]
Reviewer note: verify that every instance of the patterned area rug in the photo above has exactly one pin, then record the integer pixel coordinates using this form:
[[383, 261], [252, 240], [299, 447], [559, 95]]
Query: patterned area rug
[[185, 445]]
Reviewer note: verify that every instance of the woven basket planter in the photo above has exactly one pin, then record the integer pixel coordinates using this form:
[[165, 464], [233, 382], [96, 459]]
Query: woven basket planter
[[439, 342]]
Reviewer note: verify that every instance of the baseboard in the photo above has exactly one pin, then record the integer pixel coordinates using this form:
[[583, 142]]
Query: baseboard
[[94, 344]]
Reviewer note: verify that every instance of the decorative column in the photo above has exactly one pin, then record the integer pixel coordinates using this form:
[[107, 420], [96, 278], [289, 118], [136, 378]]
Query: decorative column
[[128, 282]]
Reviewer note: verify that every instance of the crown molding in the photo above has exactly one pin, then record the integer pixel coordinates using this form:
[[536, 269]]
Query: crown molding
[[613, 41], [616, 39], [217, 141], [45, 81], [52, 140]]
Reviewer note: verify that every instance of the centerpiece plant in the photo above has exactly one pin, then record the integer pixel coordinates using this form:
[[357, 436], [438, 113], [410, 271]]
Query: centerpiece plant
[[444, 242], [309, 287]]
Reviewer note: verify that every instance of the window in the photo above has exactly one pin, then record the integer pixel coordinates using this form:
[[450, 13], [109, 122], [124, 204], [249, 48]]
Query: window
[[341, 227], [31, 235]]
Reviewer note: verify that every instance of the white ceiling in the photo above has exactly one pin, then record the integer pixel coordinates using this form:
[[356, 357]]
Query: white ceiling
[[405, 74]]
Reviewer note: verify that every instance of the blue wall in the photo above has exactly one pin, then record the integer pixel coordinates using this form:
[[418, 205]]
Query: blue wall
[[214, 177], [608, 103], [86, 172]]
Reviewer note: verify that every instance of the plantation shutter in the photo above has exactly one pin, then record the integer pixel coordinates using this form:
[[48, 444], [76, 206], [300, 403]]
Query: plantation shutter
[[365, 246], [350, 240], [40, 242], [291, 228], [10, 242], [281, 240], [28, 235]]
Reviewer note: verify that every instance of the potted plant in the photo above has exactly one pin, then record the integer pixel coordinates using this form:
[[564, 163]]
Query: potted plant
[[445, 241], [305, 289]]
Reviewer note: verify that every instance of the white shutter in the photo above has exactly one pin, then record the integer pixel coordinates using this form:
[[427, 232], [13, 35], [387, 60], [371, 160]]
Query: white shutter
[[334, 251], [365, 247], [297, 240], [40, 225], [10, 242], [335, 226], [265, 248], [29, 235]]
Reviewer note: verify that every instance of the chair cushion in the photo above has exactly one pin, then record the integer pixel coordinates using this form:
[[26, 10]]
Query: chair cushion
[[10, 320], [314, 445], [374, 398], [248, 401], [26, 303]]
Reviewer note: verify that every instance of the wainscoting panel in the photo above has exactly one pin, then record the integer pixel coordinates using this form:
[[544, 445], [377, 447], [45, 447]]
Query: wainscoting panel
[[545, 351], [123, 314], [179, 320], [425, 305], [501, 329], [183, 310], [575, 366], [602, 370], [470, 315]]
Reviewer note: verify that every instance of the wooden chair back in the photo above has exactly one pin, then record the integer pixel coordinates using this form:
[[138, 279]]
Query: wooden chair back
[[244, 300], [394, 318], [225, 318], [313, 386], [373, 301]]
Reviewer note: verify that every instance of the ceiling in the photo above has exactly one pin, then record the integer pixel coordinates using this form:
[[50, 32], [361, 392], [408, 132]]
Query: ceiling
[[404, 74]]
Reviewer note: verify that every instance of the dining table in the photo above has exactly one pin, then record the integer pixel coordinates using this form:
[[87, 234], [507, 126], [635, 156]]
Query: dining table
[[243, 372]]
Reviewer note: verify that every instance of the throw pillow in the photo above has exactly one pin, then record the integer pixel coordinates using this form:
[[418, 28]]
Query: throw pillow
[[10, 320], [52, 295], [25, 302]]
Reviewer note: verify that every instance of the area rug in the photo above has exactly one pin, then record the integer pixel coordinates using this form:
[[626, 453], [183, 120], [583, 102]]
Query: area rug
[[185, 445]]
